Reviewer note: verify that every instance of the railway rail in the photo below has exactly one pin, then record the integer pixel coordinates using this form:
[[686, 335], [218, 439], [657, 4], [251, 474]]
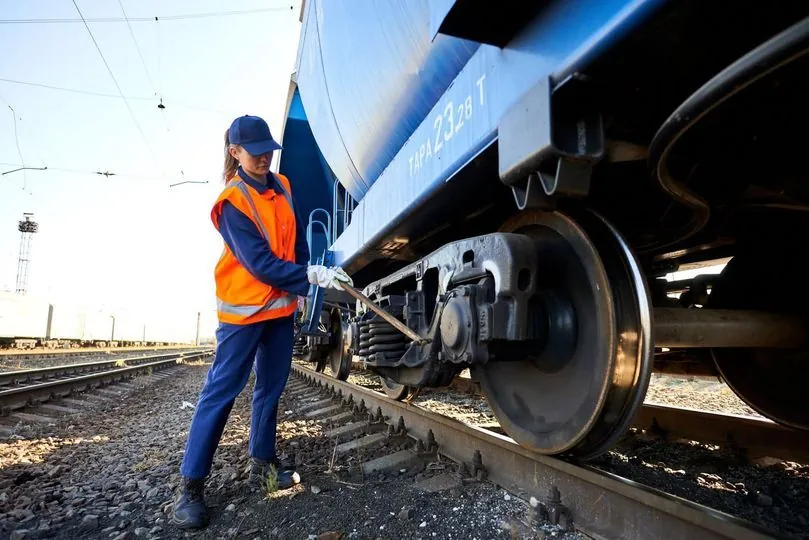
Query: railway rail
[[46, 354], [571, 494], [19, 389], [755, 437]]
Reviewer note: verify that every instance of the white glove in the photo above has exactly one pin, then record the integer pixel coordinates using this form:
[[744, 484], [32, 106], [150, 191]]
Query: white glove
[[330, 278]]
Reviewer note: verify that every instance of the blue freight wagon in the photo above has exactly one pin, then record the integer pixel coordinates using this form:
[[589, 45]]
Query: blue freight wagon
[[512, 180]]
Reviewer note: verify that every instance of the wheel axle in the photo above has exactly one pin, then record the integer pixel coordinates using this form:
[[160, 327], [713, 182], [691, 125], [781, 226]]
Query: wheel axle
[[715, 328]]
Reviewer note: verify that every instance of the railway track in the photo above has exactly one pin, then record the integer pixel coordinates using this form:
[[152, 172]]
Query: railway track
[[21, 357], [569, 494], [754, 437], [26, 388]]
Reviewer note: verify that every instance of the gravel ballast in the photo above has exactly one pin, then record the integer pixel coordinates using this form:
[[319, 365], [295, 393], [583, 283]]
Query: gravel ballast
[[111, 472], [769, 492]]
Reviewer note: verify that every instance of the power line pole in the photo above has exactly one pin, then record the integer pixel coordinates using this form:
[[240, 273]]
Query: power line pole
[[196, 341]]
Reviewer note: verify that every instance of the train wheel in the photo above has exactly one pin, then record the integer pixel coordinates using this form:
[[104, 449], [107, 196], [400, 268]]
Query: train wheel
[[772, 382], [318, 355], [576, 394], [340, 351], [394, 390], [305, 352], [317, 358]]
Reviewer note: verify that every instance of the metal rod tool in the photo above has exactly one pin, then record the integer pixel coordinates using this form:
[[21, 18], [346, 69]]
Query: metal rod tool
[[390, 319]]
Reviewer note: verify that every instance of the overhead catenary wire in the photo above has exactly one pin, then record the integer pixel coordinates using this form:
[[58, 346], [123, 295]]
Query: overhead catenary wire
[[160, 74], [149, 19], [158, 49], [69, 170], [158, 99], [100, 172], [114, 80], [137, 47], [96, 94], [115, 96], [17, 117], [75, 90], [6, 178], [17, 143], [155, 91], [41, 141]]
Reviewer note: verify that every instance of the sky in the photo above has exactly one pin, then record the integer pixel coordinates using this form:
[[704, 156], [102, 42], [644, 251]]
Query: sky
[[129, 243]]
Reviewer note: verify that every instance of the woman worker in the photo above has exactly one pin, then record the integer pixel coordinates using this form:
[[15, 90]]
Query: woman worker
[[259, 276]]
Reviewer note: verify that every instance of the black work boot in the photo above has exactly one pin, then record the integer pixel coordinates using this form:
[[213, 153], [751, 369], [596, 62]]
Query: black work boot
[[261, 475], [189, 507]]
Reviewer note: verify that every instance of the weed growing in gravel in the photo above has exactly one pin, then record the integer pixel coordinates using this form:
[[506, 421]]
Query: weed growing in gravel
[[271, 482]]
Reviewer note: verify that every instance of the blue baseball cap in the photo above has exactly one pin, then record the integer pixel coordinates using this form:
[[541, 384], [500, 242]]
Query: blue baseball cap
[[253, 134]]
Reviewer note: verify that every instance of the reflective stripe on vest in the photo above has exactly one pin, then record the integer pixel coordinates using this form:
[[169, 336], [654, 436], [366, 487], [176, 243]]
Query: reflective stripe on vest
[[236, 181], [287, 195], [243, 188], [239, 183], [249, 311]]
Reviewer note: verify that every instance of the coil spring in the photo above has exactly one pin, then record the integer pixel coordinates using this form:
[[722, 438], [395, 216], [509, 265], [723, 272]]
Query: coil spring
[[378, 337]]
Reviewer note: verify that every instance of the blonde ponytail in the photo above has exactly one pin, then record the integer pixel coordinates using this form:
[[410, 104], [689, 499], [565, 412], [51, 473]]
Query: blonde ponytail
[[231, 164]]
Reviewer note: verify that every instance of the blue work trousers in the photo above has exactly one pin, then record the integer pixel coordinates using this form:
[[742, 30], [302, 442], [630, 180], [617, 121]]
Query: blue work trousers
[[269, 343]]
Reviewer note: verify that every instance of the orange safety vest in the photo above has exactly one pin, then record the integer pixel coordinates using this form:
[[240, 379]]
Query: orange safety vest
[[240, 297]]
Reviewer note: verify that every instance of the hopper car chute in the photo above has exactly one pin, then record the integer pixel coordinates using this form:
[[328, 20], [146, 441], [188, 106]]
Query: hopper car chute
[[513, 180]]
